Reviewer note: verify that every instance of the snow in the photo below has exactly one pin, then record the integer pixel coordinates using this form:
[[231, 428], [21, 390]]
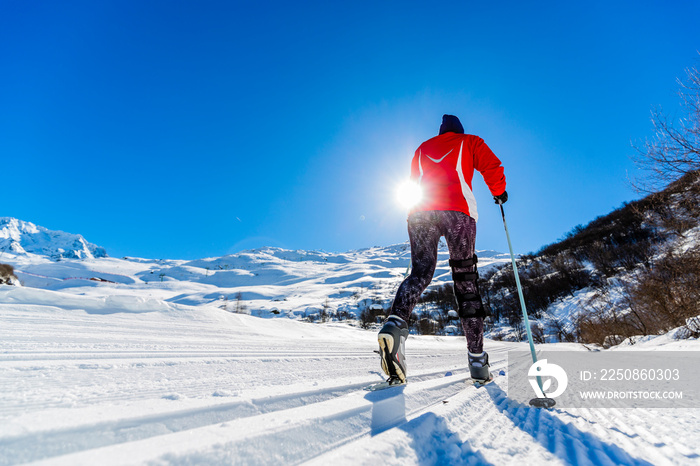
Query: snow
[[136, 370], [21, 237]]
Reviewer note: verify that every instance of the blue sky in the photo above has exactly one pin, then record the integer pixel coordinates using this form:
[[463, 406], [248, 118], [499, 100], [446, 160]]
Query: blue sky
[[172, 129]]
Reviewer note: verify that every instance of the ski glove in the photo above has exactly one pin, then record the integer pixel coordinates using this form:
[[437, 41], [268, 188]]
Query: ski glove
[[502, 199]]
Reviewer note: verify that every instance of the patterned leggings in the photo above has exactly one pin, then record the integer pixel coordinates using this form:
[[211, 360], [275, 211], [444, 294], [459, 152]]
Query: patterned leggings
[[424, 231]]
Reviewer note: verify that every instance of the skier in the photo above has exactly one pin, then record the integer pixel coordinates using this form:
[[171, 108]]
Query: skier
[[443, 167]]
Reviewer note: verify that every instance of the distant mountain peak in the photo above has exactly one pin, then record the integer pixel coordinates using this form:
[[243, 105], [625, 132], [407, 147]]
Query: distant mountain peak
[[20, 237]]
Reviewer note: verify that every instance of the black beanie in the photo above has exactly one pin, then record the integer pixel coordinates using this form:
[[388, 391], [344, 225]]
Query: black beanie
[[451, 124]]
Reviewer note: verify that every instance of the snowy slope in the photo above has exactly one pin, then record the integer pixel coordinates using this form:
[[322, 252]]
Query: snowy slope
[[112, 361], [86, 380]]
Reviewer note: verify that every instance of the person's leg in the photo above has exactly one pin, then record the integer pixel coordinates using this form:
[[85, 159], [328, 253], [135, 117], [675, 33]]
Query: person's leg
[[474, 331], [424, 235], [460, 234]]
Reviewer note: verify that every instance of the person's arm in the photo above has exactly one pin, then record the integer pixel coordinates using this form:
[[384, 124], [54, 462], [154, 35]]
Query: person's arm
[[415, 170], [486, 163]]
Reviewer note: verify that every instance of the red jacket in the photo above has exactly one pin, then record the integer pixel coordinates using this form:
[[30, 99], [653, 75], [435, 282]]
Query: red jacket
[[444, 167]]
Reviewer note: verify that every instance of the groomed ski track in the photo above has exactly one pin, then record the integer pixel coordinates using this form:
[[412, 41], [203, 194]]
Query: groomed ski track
[[190, 387]]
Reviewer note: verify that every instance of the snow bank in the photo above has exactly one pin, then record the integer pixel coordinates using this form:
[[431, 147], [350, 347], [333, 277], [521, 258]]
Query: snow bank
[[91, 305]]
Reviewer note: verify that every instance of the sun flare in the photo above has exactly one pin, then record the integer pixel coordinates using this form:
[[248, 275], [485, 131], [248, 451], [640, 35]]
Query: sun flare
[[409, 193]]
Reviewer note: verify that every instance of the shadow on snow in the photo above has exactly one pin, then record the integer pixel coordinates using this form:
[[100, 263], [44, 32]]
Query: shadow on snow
[[565, 441], [433, 441]]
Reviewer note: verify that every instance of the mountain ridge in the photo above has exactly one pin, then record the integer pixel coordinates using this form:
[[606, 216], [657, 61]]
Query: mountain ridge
[[264, 282], [21, 237]]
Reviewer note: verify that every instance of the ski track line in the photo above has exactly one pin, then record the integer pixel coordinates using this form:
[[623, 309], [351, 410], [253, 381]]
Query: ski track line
[[429, 437], [346, 450], [125, 356], [193, 390], [62, 441], [160, 385], [485, 427], [326, 416]]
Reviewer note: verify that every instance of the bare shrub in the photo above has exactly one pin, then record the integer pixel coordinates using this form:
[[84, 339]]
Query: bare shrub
[[240, 307], [7, 275], [561, 330], [441, 296], [426, 325], [664, 296], [675, 148], [676, 208], [519, 328], [668, 294], [326, 311], [597, 327], [366, 319], [537, 331], [371, 315], [544, 280], [606, 324], [572, 271]]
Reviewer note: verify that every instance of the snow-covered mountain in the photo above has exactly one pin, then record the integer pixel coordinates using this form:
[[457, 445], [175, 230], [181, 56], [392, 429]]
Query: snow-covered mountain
[[20, 237], [266, 282]]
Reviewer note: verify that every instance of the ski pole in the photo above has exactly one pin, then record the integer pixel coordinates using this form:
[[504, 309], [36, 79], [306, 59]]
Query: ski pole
[[520, 295]]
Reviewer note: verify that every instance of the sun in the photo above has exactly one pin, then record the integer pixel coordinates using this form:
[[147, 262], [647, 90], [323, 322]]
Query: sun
[[409, 193]]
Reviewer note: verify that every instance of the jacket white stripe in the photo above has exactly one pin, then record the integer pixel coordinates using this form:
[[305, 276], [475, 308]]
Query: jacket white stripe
[[420, 167], [466, 191]]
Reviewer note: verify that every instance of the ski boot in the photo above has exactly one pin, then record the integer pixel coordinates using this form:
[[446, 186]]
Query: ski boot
[[479, 368], [392, 341]]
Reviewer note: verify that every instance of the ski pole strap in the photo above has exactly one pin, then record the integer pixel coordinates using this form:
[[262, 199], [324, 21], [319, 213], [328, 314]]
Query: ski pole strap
[[464, 263]]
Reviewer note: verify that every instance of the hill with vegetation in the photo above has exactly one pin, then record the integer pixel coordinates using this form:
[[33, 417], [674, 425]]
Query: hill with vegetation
[[630, 273]]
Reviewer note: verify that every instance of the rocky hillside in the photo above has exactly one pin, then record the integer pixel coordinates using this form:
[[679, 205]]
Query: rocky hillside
[[630, 273]]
